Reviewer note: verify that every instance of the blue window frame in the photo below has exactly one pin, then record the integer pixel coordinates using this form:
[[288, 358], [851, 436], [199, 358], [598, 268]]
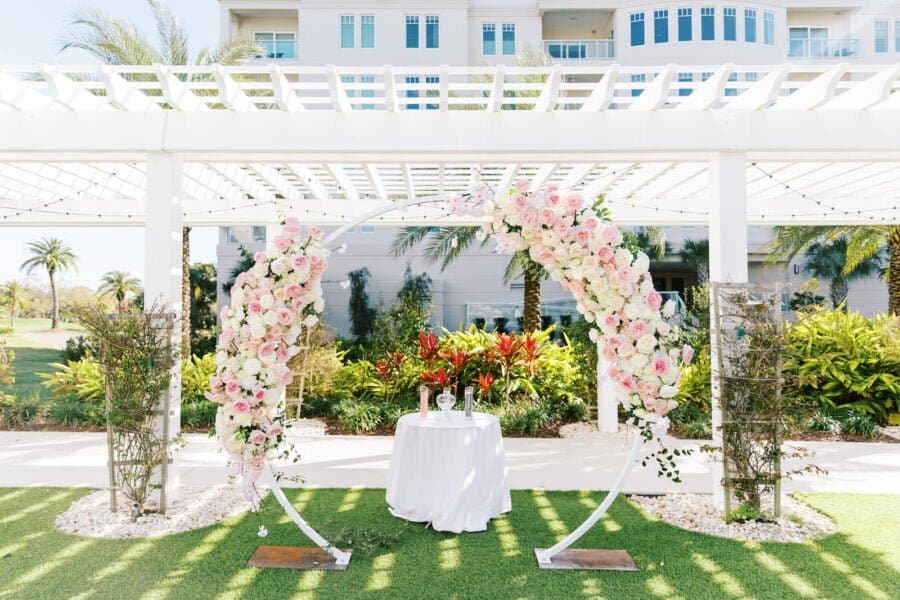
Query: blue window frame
[[488, 39], [637, 29], [412, 93], [685, 24], [347, 31], [707, 23], [432, 81], [660, 26], [769, 28], [412, 32], [432, 31], [731, 91], [276, 45], [685, 78], [509, 39], [367, 31], [638, 78], [730, 24], [367, 229], [370, 93], [750, 25], [881, 36]]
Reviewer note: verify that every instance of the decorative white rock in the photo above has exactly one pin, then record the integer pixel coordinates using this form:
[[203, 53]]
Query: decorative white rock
[[196, 507], [695, 512]]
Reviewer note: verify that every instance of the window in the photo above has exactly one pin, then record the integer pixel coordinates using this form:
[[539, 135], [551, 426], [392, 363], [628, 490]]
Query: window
[[881, 36], [347, 33], [367, 229], [637, 29], [730, 18], [412, 32], [808, 42], [367, 31], [258, 232], [509, 39], [276, 45], [660, 26], [432, 32], [367, 93], [750, 25], [685, 24], [769, 28], [638, 78], [685, 78], [896, 36], [732, 91], [414, 80], [489, 39], [433, 81], [707, 23]]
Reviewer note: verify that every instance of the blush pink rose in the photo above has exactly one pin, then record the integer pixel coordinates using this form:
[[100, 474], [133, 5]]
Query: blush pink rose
[[240, 406], [274, 430], [637, 328], [522, 185], [232, 387], [611, 321], [257, 436], [574, 200], [583, 236], [614, 341], [592, 223], [625, 274], [287, 377], [545, 256], [282, 243], [605, 254], [227, 335], [315, 232], [520, 201], [654, 299], [660, 365], [259, 394], [610, 234], [266, 351], [285, 317], [255, 308], [627, 382], [561, 227], [609, 353], [687, 354], [553, 198], [647, 389], [299, 261], [260, 257], [298, 303], [546, 216]]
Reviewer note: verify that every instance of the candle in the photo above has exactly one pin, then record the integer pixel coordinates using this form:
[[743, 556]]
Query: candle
[[423, 401]]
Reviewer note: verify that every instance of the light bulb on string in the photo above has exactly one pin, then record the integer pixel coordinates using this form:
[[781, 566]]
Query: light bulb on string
[[345, 284]]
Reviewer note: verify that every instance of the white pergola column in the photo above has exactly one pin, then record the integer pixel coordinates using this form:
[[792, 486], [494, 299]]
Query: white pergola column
[[727, 259], [162, 275]]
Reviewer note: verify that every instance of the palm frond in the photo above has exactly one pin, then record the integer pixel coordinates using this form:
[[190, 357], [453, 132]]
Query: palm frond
[[865, 243], [112, 41], [790, 240], [407, 238], [172, 37], [230, 52], [442, 247]]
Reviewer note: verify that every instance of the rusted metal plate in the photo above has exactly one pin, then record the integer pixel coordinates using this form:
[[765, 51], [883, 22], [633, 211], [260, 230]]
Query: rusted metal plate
[[291, 557], [590, 560]]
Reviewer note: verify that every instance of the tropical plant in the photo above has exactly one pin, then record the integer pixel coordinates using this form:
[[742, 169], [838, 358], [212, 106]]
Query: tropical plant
[[446, 244], [362, 316], [828, 260], [14, 298], [863, 241], [398, 327], [117, 42], [53, 256], [651, 240], [119, 284], [202, 316], [695, 253], [242, 266]]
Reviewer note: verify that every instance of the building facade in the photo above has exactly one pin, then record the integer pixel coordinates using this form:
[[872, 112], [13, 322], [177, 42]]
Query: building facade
[[486, 32]]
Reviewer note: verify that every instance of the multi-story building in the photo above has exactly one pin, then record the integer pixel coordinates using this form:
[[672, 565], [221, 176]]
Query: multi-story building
[[475, 32]]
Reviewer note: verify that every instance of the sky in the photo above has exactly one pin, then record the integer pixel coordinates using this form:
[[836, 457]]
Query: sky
[[30, 33]]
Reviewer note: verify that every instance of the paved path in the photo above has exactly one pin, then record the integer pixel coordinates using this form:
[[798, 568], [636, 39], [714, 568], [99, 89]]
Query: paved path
[[591, 462]]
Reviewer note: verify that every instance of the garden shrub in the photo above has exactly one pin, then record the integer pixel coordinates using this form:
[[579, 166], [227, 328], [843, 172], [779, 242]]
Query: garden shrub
[[16, 412], [360, 416], [77, 348], [843, 359], [78, 379]]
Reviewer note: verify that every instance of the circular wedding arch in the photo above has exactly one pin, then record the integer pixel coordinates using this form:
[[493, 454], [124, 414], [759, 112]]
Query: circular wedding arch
[[579, 249]]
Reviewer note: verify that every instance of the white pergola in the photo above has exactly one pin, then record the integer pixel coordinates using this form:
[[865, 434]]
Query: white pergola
[[161, 147]]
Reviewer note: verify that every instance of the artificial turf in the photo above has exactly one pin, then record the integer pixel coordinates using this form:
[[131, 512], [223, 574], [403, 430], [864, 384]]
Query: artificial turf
[[862, 560]]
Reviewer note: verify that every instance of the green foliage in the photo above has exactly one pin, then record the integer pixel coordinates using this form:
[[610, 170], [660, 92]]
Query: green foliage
[[360, 416], [745, 512], [695, 386], [825, 421], [71, 412], [203, 308], [842, 359], [79, 380], [77, 348], [525, 417], [195, 374], [362, 316], [861, 424], [398, 327], [16, 412]]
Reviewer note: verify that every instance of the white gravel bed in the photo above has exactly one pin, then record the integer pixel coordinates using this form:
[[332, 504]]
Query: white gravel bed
[[695, 512], [196, 507]]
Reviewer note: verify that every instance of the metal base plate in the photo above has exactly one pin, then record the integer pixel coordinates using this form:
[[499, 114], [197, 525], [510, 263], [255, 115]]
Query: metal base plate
[[290, 557], [589, 560]]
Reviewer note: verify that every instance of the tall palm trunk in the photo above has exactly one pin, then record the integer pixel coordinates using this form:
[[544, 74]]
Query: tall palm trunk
[[186, 291], [532, 301], [54, 318], [893, 239], [839, 290]]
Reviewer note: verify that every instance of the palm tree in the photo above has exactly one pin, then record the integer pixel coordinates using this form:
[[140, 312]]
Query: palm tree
[[13, 297], [53, 256], [651, 240], [446, 244], [828, 260], [119, 284], [696, 254], [118, 42], [863, 241]]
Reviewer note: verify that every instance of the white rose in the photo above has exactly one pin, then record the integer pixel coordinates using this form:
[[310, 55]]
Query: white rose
[[641, 263], [267, 301], [319, 305], [646, 343], [252, 366], [668, 308], [257, 331], [270, 318], [243, 419], [668, 391], [623, 257]]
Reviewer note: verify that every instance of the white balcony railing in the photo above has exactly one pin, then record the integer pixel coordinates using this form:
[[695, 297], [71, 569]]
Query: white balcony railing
[[823, 48], [580, 49]]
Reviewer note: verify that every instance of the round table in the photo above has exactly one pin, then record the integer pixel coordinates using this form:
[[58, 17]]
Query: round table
[[448, 470]]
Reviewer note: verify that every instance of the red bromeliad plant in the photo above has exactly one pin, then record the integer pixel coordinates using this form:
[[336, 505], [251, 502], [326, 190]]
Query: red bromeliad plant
[[485, 381], [508, 349], [531, 352], [457, 360], [388, 369], [438, 379], [429, 346]]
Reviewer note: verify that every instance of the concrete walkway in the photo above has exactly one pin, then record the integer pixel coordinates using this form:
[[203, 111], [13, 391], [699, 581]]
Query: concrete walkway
[[590, 462]]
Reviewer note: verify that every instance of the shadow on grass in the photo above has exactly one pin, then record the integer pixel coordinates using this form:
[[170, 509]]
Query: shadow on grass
[[27, 364], [38, 562]]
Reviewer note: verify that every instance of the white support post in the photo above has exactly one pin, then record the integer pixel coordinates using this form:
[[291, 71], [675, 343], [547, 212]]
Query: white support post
[[727, 260], [607, 402], [162, 278]]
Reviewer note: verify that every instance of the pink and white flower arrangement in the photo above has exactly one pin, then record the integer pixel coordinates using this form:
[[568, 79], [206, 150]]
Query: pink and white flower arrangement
[[612, 288], [270, 305]]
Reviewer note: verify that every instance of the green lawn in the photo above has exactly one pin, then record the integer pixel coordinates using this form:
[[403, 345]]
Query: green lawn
[[31, 358], [37, 325], [860, 561]]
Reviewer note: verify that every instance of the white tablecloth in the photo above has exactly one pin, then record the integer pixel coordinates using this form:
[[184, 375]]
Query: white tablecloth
[[448, 471]]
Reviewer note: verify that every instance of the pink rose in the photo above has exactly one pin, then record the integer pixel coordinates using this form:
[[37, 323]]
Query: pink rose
[[660, 365], [615, 341], [627, 382], [613, 373], [282, 243], [240, 406], [530, 217], [257, 436], [687, 354], [647, 389], [274, 430], [520, 201], [522, 185], [266, 351], [583, 236], [255, 308], [605, 254], [317, 265], [625, 274], [285, 317], [297, 303], [609, 353], [227, 335], [591, 223], [545, 256], [611, 321], [553, 198], [215, 382], [287, 377], [232, 387], [610, 234], [654, 299], [293, 290], [637, 328], [546, 216], [259, 394], [574, 201], [299, 261], [561, 227], [315, 232], [260, 257]]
